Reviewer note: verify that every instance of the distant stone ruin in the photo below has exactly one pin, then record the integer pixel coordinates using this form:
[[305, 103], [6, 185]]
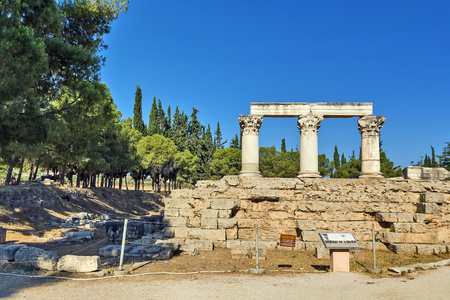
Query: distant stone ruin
[[310, 115]]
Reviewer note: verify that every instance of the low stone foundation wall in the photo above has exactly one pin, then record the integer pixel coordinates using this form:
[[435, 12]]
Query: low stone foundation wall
[[409, 215]]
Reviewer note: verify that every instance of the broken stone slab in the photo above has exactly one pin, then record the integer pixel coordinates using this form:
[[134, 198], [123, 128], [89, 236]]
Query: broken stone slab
[[8, 251], [2, 235], [322, 252], [224, 203], [263, 194], [307, 225], [202, 245], [145, 250], [112, 250], [430, 197], [86, 216], [427, 208], [410, 268], [172, 244], [402, 248], [74, 263], [114, 230], [401, 227], [80, 234], [163, 255], [37, 258]]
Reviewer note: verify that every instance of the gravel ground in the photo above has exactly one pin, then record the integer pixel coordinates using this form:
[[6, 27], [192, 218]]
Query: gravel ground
[[433, 284]]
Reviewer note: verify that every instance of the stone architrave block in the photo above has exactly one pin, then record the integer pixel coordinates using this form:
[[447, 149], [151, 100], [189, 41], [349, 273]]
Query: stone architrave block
[[306, 225], [209, 223], [420, 238], [210, 213], [427, 208], [187, 212], [8, 251], [225, 213], [418, 228], [401, 227], [386, 217], [310, 236], [202, 245], [322, 252], [171, 213], [177, 203], [232, 234], [402, 248], [425, 249], [177, 221], [430, 197], [265, 194], [74, 263], [405, 218], [224, 203], [37, 258], [227, 223]]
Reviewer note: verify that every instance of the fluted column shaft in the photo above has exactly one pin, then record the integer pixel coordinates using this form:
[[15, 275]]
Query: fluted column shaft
[[369, 127], [250, 125], [308, 126]]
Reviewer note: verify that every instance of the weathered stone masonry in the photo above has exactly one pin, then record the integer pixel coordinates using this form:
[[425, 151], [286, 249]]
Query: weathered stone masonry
[[409, 215]]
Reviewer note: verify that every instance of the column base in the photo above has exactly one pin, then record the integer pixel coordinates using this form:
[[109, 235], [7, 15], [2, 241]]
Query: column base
[[250, 174], [371, 175], [309, 175]]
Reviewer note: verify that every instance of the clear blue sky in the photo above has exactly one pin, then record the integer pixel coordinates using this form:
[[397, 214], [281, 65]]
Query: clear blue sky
[[219, 56]]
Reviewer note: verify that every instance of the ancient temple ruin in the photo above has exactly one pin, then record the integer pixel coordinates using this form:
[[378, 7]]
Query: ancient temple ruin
[[310, 115]]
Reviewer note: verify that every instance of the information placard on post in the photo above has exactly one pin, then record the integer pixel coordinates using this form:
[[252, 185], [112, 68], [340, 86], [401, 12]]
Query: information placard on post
[[339, 240], [287, 240]]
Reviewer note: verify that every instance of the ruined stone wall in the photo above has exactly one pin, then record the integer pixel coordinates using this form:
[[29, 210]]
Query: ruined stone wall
[[408, 215]]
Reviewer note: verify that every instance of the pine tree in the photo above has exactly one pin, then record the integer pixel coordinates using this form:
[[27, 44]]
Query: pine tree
[[138, 123], [161, 119], [218, 144], [206, 152], [235, 142], [433, 158], [343, 159], [153, 119], [168, 124], [195, 133], [283, 145]]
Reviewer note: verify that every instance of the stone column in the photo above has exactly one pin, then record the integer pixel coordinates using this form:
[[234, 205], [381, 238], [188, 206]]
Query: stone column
[[250, 125], [309, 151], [369, 127]]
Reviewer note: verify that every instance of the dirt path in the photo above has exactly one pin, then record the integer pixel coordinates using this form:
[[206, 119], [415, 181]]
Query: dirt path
[[433, 284]]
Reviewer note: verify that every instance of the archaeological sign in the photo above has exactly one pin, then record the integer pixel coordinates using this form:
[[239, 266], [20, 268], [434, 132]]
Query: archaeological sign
[[310, 115]]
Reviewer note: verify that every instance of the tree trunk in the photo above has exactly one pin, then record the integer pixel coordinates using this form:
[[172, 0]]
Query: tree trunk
[[126, 184], [63, 174], [10, 170], [143, 188], [20, 171], [37, 168], [31, 172], [120, 178], [78, 178]]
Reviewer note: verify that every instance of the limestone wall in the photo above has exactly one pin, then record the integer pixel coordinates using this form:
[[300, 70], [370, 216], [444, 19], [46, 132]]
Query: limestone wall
[[409, 215]]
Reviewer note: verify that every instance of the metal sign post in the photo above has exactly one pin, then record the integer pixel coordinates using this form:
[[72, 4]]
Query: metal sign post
[[257, 270], [122, 250]]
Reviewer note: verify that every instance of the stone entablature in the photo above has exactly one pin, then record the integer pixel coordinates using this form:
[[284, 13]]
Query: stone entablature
[[414, 172], [409, 215], [326, 110]]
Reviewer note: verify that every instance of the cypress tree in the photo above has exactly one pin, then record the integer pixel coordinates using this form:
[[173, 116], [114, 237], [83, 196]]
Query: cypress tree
[[153, 119], [283, 145], [138, 123], [235, 142], [161, 118], [195, 133], [218, 138]]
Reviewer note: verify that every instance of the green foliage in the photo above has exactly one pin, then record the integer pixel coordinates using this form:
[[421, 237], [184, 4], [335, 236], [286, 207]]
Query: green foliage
[[188, 166], [218, 144], [138, 123], [155, 150], [277, 164], [445, 157], [225, 161], [283, 145], [235, 142]]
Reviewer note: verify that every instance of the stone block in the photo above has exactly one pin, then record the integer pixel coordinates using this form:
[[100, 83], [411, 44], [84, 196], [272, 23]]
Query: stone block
[[391, 237], [422, 218], [210, 213], [430, 197], [386, 217], [310, 236], [8, 251], [438, 249], [208, 234], [405, 218], [112, 250], [187, 212], [232, 234], [182, 232], [265, 194], [420, 238], [37, 258], [209, 223], [148, 240], [232, 244], [171, 212], [225, 213], [418, 228], [169, 232], [227, 223], [177, 221], [311, 246], [202, 245], [401, 227], [427, 208], [369, 245], [74, 263], [172, 203], [402, 248], [307, 225], [322, 252], [425, 249], [231, 180], [224, 203]]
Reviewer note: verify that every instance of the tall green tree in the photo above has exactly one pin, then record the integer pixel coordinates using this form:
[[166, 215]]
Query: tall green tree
[[235, 142], [138, 123], [153, 119], [283, 145], [195, 133], [445, 157], [218, 144], [226, 161]]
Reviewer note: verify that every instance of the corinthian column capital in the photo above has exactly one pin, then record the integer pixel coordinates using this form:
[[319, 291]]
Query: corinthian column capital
[[370, 125], [309, 123], [250, 124]]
